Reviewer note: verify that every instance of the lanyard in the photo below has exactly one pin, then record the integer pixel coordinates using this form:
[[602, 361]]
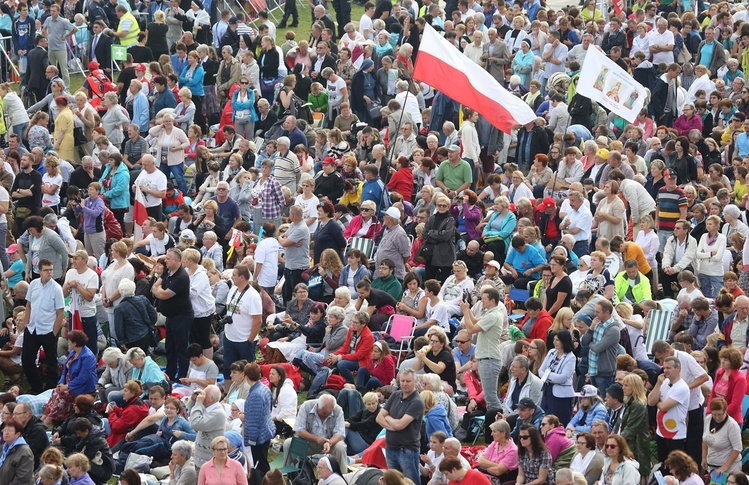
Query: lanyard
[[236, 302]]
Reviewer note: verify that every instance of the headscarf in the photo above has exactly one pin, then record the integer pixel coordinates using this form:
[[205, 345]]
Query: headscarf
[[366, 64]]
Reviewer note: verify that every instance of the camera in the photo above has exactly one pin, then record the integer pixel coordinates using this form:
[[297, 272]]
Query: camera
[[227, 320]]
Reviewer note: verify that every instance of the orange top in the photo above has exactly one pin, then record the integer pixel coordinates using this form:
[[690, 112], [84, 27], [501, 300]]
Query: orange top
[[635, 252]]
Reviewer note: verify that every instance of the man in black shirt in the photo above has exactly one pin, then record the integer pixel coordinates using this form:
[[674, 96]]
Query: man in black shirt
[[473, 257], [173, 291], [26, 193], [376, 299], [127, 74]]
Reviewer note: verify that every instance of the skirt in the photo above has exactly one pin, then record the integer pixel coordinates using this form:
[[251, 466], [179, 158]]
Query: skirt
[[210, 102], [561, 407]]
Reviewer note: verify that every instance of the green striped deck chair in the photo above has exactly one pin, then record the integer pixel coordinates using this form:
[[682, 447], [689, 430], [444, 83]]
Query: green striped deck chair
[[363, 244], [660, 326]]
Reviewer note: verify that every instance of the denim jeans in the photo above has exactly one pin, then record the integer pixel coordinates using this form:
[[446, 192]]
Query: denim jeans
[[179, 174], [710, 285], [355, 443], [177, 340], [234, 351], [346, 367], [602, 383], [365, 380], [405, 461], [662, 238], [489, 373], [581, 248]]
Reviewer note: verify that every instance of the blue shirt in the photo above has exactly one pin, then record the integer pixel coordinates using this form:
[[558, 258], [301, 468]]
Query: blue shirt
[[706, 53], [529, 258], [44, 301], [19, 268], [462, 359], [742, 144]]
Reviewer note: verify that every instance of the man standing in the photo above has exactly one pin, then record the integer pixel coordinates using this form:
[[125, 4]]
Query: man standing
[[577, 223], [296, 242], [672, 207], [694, 376], [287, 170], [679, 253], [664, 106], [24, 32], [489, 330], [401, 417], [36, 67], [26, 193], [245, 308], [128, 29], [173, 291], [82, 282], [44, 311], [496, 56], [661, 43], [208, 418], [394, 244], [58, 29], [152, 183], [671, 401], [602, 338]]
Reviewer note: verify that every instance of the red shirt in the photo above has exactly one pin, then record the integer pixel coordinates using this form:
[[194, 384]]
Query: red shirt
[[472, 477]]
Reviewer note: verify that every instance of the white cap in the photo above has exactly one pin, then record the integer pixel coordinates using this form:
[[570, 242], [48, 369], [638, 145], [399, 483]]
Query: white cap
[[394, 213]]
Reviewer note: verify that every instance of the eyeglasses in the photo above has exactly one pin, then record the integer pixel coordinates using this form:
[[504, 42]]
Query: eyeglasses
[[525, 436], [221, 188], [611, 447], [221, 450], [442, 205], [462, 341]]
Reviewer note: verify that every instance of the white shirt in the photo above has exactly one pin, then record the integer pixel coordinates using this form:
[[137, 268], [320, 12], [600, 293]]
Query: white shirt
[[583, 219], [691, 370], [266, 254], [310, 209], [4, 197], [673, 423], [437, 312], [153, 181], [365, 24], [242, 308], [666, 38], [49, 200], [89, 280], [410, 105]]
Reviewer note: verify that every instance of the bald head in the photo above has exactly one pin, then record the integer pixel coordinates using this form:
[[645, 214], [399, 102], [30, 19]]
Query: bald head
[[742, 307], [212, 395]]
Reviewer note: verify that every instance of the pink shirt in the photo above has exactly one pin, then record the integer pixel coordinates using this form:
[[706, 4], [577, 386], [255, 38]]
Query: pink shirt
[[232, 474], [507, 456]]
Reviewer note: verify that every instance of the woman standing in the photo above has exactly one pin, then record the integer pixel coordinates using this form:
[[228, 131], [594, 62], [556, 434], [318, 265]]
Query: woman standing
[[610, 214], [64, 139], [559, 293], [85, 120], [619, 467], [111, 277], [558, 393], [467, 216], [439, 240], [729, 383], [710, 251], [269, 62], [633, 424], [13, 108], [244, 114], [534, 459], [51, 183], [115, 182], [523, 61], [655, 180], [203, 303], [258, 423], [114, 119], [221, 468], [156, 35], [171, 143], [721, 441], [192, 78], [329, 234]]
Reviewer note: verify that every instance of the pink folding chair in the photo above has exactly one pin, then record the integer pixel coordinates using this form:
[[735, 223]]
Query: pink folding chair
[[401, 328]]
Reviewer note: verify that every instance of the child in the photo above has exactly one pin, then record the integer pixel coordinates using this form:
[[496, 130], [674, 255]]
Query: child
[[318, 97], [434, 456], [739, 186], [208, 189]]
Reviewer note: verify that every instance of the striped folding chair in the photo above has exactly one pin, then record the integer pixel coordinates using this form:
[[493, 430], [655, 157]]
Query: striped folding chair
[[658, 329], [363, 244]]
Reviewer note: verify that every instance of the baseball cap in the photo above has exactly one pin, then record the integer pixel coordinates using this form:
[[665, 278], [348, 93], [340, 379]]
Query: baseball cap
[[588, 391], [13, 248], [234, 20], [667, 174], [93, 65], [526, 403], [187, 234], [328, 161], [602, 140], [585, 318], [394, 213], [453, 148], [495, 264], [140, 67], [603, 154], [547, 203]]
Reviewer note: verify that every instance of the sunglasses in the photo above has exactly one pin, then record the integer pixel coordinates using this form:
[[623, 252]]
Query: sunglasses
[[442, 205], [462, 341], [524, 436], [611, 447]]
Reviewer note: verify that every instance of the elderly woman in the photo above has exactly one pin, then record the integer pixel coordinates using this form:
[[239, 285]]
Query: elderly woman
[[221, 468], [111, 278], [117, 372], [499, 229], [145, 370], [365, 224], [182, 469], [171, 143], [721, 441], [297, 313], [203, 302], [329, 471], [710, 251], [587, 461], [313, 359], [619, 467], [78, 378], [732, 214], [438, 250], [500, 460], [356, 349], [343, 299], [114, 119], [17, 465], [610, 216]]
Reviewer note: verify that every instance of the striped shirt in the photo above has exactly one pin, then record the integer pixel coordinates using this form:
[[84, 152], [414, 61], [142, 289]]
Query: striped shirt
[[669, 204], [286, 170]]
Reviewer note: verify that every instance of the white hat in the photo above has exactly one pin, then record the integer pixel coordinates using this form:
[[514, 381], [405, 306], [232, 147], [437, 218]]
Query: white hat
[[394, 213], [495, 264]]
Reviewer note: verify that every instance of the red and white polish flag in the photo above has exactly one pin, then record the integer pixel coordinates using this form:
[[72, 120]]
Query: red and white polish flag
[[442, 66]]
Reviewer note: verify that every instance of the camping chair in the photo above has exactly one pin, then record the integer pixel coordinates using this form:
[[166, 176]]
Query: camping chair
[[363, 244], [297, 454], [401, 328], [658, 329]]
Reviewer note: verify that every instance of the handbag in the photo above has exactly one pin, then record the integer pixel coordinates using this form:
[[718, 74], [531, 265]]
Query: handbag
[[425, 253], [374, 110], [79, 135], [684, 56]]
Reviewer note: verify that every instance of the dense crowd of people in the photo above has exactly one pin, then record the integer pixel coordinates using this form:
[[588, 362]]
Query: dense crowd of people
[[232, 217]]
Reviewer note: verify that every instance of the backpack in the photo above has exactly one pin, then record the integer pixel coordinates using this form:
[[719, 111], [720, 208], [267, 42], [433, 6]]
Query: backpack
[[385, 201], [306, 474], [625, 341]]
